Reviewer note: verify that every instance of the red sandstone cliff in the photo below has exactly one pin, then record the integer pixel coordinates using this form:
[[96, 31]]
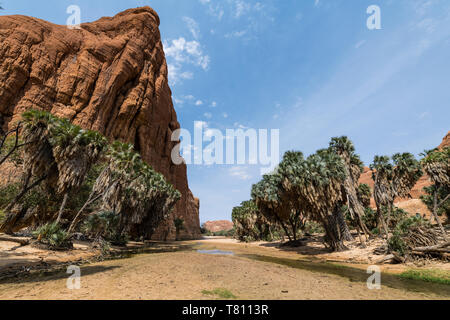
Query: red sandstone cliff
[[109, 75], [414, 204]]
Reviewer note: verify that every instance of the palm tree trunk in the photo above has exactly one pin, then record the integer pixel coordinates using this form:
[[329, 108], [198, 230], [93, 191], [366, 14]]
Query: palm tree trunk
[[89, 201], [286, 231], [383, 223], [333, 235], [343, 227], [25, 190], [16, 143], [63, 206], [294, 227], [355, 206], [388, 220], [435, 214], [363, 243]]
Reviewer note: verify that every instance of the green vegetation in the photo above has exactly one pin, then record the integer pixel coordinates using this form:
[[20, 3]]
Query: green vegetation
[[306, 189], [54, 236], [410, 233], [437, 165], [393, 179], [104, 225], [442, 197], [70, 173], [179, 225], [429, 275], [221, 293], [324, 189], [250, 225]]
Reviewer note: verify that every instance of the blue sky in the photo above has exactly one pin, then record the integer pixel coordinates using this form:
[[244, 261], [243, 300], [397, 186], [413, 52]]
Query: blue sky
[[310, 68]]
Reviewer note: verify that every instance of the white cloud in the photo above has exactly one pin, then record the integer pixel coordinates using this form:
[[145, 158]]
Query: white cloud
[[225, 115], [240, 7], [201, 124], [213, 104], [189, 99], [254, 17], [180, 52], [187, 51], [236, 34], [178, 101], [207, 115], [240, 173], [240, 126], [360, 44], [424, 115], [193, 27], [176, 75]]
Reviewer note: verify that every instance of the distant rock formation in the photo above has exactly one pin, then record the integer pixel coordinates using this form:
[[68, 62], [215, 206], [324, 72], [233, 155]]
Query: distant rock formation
[[413, 205], [217, 226], [110, 76]]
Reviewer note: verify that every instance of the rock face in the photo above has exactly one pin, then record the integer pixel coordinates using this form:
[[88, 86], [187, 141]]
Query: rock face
[[109, 76], [217, 226], [413, 205]]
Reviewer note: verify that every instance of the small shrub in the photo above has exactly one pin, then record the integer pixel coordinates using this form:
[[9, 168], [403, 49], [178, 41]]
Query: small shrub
[[398, 215], [7, 193], [312, 227], [220, 292], [52, 235], [410, 233], [370, 219], [224, 233], [2, 215], [104, 225]]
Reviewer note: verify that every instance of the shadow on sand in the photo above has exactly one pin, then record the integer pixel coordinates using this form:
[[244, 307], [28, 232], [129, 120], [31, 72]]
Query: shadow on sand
[[355, 274], [60, 274]]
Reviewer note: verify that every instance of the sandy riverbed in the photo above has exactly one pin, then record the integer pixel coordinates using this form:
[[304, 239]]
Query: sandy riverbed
[[254, 272]]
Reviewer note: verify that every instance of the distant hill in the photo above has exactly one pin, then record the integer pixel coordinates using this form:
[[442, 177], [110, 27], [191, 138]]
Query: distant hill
[[217, 226]]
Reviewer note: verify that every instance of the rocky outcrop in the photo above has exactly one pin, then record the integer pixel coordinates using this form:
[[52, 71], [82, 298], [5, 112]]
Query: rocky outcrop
[[446, 142], [109, 76], [217, 226], [414, 204]]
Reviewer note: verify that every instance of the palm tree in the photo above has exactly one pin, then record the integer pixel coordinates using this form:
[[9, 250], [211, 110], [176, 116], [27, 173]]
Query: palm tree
[[364, 194], [75, 151], [38, 159], [317, 184], [393, 179], [382, 172], [133, 190], [249, 223], [343, 147], [267, 196], [437, 165]]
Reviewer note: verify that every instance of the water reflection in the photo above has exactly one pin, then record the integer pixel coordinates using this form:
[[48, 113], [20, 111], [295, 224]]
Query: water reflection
[[216, 252]]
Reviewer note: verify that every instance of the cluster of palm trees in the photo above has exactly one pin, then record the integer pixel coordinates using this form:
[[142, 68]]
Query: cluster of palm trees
[[58, 158], [325, 188], [249, 224], [436, 164]]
